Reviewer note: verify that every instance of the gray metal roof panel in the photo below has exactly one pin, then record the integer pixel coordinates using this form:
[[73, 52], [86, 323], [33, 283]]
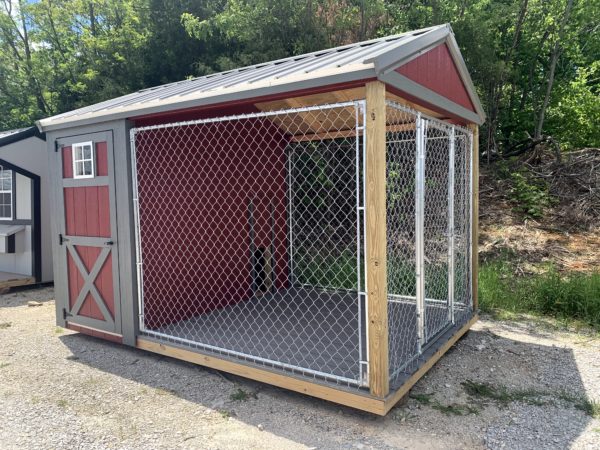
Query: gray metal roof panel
[[7, 133], [212, 88]]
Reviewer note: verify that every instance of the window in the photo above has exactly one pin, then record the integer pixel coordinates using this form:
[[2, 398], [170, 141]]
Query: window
[[6, 194], [83, 160]]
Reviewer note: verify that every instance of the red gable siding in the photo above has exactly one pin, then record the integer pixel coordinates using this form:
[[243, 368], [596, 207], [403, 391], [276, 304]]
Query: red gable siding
[[436, 71]]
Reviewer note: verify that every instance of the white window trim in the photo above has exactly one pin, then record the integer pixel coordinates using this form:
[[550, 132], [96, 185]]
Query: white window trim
[[75, 161], [11, 192]]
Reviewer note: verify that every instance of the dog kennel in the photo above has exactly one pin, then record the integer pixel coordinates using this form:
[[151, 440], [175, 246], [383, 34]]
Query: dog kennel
[[309, 222]]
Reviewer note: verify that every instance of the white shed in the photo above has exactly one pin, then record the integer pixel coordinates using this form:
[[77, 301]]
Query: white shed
[[25, 247]]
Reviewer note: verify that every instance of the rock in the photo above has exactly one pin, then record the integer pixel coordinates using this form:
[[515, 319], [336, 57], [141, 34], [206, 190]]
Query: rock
[[260, 427], [34, 303]]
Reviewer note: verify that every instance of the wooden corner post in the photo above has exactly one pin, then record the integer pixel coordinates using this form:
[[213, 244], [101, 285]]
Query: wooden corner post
[[475, 218], [377, 313]]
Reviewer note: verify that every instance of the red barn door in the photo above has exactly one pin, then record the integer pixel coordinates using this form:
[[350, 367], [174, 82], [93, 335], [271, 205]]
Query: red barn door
[[87, 232]]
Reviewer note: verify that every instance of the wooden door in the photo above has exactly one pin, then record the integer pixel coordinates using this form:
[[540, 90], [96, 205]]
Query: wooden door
[[87, 232]]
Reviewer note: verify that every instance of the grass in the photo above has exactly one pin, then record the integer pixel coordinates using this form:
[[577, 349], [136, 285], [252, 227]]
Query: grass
[[241, 396], [424, 399], [58, 330], [572, 297], [3, 365], [503, 396], [454, 409]]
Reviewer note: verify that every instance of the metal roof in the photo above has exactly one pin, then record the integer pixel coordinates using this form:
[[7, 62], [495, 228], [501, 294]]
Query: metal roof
[[7, 133], [351, 62], [10, 136]]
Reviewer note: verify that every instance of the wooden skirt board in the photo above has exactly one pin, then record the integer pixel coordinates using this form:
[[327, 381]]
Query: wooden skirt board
[[352, 397]]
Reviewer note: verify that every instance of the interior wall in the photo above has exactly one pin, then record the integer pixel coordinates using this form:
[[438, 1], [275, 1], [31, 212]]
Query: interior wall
[[195, 187]]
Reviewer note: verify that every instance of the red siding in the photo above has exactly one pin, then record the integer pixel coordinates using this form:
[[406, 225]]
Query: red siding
[[194, 200], [101, 159], [67, 159], [87, 211], [436, 70]]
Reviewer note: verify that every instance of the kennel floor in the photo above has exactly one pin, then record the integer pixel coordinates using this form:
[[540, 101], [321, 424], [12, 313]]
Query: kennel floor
[[306, 329]]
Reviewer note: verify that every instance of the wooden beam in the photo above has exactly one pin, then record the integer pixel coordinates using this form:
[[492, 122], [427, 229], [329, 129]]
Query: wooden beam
[[475, 217], [286, 381], [349, 133], [375, 158], [8, 282], [396, 396]]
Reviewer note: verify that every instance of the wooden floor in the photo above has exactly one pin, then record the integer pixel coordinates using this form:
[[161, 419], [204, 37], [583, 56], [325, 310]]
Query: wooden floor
[[307, 329], [8, 280]]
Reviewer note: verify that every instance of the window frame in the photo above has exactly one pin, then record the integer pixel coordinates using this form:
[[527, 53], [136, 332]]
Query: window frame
[[92, 160], [11, 192]]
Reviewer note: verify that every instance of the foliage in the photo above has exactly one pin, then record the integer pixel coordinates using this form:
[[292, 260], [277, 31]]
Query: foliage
[[530, 198], [534, 62], [571, 296]]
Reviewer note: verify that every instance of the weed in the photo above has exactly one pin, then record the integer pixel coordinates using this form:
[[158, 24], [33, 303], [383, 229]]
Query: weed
[[487, 391], [591, 407], [3, 365], [225, 414], [455, 409], [4, 325], [59, 330], [531, 198], [164, 391], [503, 396], [241, 396], [403, 415], [424, 399], [62, 403]]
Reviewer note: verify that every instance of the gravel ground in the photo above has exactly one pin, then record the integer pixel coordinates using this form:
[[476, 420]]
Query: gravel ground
[[63, 390]]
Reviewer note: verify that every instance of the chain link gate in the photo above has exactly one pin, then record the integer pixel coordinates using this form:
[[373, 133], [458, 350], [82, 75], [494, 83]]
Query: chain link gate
[[250, 238], [428, 232]]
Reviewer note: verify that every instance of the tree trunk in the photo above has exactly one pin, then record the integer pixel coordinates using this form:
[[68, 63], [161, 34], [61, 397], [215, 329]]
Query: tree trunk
[[556, 51]]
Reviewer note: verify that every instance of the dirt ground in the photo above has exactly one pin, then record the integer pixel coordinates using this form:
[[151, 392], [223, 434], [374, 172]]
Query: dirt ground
[[63, 390]]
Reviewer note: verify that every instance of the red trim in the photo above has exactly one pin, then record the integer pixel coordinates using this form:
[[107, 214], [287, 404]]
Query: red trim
[[117, 339], [238, 106]]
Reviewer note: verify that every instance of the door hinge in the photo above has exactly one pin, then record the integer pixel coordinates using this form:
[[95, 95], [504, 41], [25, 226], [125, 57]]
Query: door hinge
[[61, 239], [66, 314], [57, 146]]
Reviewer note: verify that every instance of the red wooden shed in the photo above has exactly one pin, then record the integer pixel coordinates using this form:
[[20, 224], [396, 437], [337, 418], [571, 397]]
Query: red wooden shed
[[309, 222]]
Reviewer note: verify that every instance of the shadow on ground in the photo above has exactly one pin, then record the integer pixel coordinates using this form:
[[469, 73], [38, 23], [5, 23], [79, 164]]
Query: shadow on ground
[[548, 371]]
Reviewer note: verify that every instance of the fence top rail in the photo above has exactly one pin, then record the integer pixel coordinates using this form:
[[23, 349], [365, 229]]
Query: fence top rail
[[437, 122], [257, 115]]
